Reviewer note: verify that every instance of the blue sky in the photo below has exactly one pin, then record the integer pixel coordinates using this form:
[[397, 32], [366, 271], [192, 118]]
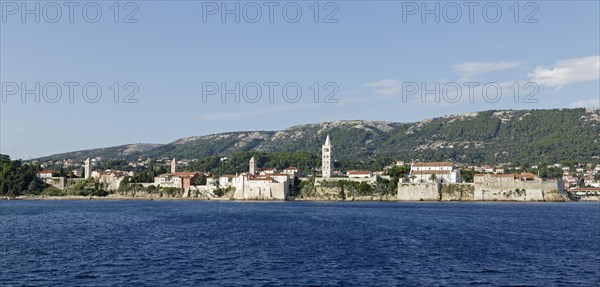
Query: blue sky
[[371, 55]]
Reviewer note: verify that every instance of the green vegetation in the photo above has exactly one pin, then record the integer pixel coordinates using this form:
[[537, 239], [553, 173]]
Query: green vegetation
[[17, 178], [467, 175], [52, 191]]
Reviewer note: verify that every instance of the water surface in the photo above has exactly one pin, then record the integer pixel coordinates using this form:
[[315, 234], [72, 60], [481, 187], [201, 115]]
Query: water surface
[[160, 243]]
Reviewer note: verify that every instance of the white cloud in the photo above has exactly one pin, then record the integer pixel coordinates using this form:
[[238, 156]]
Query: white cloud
[[567, 72], [386, 87], [470, 69], [589, 103]]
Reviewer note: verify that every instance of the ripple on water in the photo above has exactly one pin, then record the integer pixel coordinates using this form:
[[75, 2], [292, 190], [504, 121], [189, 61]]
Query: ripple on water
[[94, 243]]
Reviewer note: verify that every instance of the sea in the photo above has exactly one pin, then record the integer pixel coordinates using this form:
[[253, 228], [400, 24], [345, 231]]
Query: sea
[[222, 243]]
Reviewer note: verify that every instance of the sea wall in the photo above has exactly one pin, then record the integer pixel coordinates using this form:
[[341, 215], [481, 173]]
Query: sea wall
[[482, 191], [457, 192], [418, 191], [55, 181], [262, 191], [516, 191]]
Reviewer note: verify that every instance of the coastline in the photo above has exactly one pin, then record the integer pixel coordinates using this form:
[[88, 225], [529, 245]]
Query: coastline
[[291, 199]]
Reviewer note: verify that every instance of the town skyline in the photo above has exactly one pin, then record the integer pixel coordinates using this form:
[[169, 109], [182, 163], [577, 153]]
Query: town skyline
[[414, 180]]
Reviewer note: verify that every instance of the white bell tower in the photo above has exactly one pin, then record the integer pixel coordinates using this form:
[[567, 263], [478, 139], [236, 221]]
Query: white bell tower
[[252, 169], [327, 158]]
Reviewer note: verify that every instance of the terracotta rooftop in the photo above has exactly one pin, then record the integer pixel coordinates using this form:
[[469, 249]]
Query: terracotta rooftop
[[585, 189], [433, 171], [432, 164], [267, 178], [359, 172], [496, 175], [185, 174]]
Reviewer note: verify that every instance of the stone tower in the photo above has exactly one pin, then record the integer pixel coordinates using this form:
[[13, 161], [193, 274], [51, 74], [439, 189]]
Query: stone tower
[[174, 165], [252, 169], [327, 159], [88, 168]]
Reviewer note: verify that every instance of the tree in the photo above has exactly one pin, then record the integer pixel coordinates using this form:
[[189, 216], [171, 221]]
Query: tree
[[467, 175], [17, 178], [201, 180], [433, 177], [364, 188], [151, 189], [124, 184]]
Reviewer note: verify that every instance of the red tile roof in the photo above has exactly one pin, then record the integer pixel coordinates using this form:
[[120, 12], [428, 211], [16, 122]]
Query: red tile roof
[[432, 164], [358, 172], [433, 171]]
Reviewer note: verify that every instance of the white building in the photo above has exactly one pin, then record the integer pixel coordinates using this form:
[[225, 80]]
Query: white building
[[359, 174], [45, 174], [293, 172], [168, 180], [267, 171], [443, 172], [226, 180]]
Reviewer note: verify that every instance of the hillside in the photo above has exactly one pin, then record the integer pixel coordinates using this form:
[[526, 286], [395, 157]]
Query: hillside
[[480, 137]]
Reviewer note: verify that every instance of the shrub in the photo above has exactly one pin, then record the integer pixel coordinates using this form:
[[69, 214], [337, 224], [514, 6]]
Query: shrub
[[52, 191]]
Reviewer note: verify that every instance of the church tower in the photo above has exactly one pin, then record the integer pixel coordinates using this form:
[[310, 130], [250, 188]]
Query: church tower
[[252, 169], [88, 168], [327, 159], [174, 165]]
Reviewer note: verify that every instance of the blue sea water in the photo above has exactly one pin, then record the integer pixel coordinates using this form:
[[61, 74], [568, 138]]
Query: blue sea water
[[207, 243]]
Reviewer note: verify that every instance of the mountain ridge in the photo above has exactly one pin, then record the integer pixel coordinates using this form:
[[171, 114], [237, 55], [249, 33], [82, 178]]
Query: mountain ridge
[[485, 136]]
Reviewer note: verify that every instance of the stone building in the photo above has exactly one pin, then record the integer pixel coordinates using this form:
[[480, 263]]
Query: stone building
[[110, 180], [183, 180], [266, 185], [51, 177]]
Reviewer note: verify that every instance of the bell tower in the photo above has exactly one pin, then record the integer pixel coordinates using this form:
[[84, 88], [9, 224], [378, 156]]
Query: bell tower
[[88, 168], [174, 165], [252, 169], [327, 158]]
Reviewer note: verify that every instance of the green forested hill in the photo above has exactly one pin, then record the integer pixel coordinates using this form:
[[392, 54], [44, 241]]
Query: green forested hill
[[517, 136]]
